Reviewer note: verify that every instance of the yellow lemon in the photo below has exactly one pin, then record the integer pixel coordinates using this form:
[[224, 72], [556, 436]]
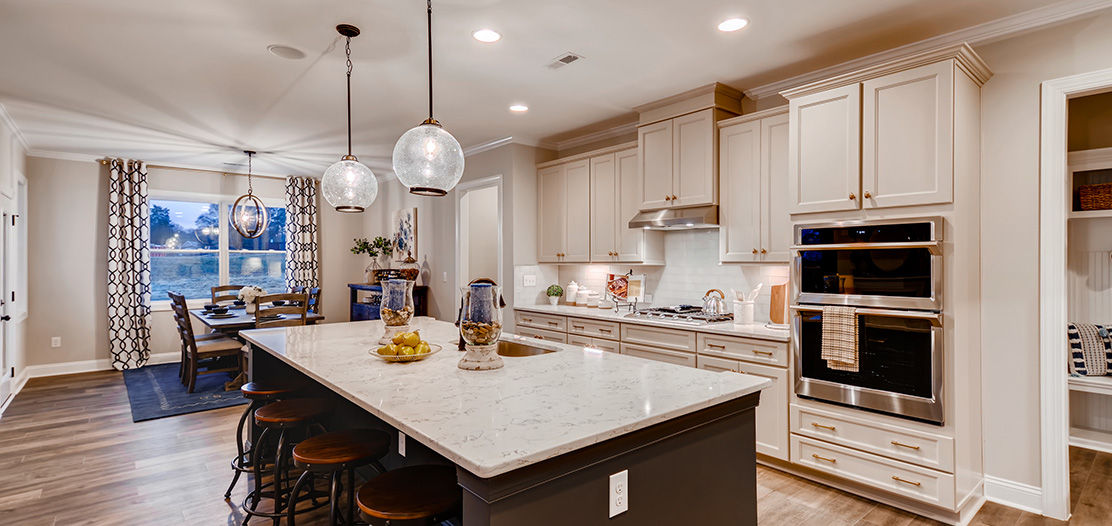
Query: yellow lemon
[[388, 350], [412, 339], [406, 350], [399, 338], [423, 348]]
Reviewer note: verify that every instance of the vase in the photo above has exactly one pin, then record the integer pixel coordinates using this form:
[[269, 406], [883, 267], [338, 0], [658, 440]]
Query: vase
[[396, 307], [553, 300], [481, 326], [250, 307]]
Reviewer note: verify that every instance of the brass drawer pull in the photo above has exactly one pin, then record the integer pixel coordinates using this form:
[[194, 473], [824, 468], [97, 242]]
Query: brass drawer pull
[[538, 337], [818, 425], [762, 353], [894, 443], [530, 320], [715, 346], [898, 479], [824, 459], [600, 329], [580, 327], [553, 323]]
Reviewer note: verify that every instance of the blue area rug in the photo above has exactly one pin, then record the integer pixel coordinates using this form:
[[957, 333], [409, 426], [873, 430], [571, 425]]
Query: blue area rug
[[154, 391]]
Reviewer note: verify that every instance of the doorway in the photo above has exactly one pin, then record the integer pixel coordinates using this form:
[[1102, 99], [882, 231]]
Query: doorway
[[479, 230], [1069, 245]]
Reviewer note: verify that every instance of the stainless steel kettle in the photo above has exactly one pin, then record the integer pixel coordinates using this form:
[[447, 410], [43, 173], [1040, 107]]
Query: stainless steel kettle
[[714, 302]]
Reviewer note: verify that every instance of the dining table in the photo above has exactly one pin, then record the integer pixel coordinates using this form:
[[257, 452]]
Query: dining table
[[240, 320]]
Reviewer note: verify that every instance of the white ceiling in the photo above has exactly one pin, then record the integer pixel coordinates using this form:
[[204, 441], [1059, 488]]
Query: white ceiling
[[191, 83]]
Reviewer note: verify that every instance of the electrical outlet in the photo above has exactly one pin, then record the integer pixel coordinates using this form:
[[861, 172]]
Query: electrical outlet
[[529, 280], [619, 493], [56, 341], [401, 443]]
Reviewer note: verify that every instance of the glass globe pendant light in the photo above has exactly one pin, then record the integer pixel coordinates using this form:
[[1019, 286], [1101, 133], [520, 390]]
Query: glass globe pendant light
[[427, 159], [348, 185], [249, 214]]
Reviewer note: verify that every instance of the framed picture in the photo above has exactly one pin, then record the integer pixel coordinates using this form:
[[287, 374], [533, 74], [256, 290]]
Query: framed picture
[[405, 233]]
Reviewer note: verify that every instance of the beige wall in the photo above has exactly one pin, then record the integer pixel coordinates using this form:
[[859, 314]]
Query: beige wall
[[1090, 121], [67, 254], [1009, 231], [481, 233]]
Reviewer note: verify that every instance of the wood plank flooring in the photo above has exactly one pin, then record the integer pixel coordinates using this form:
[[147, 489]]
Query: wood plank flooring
[[70, 455]]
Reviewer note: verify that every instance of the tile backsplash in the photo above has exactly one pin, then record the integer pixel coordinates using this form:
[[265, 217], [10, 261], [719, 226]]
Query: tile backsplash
[[691, 268]]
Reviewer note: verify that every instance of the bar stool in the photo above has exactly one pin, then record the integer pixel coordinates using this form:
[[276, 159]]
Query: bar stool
[[259, 395], [296, 416], [429, 493], [333, 454]]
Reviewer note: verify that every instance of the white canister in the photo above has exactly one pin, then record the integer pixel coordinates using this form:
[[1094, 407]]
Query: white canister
[[582, 296], [743, 312], [570, 293]]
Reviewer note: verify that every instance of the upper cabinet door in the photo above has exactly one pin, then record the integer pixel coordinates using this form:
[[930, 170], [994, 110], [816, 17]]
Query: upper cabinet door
[[577, 233], [740, 210], [604, 209], [694, 180], [630, 240], [655, 143], [907, 135], [825, 157], [551, 213], [776, 221]]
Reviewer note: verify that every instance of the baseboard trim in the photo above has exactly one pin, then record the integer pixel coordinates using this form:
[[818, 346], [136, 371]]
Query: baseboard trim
[[89, 366], [1013, 494], [17, 385]]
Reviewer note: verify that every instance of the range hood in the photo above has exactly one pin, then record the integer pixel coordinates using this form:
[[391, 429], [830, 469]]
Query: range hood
[[691, 218]]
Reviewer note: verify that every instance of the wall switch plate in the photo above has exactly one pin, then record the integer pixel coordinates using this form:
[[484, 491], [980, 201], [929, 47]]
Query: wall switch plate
[[649, 299], [444, 277], [529, 280], [401, 443], [56, 341], [619, 493]]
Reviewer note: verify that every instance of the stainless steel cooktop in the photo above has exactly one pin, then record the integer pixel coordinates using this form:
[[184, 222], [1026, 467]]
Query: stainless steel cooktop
[[680, 313]]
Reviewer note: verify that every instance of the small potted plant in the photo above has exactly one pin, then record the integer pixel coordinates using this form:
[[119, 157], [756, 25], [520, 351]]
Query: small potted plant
[[248, 295], [554, 292], [378, 248]]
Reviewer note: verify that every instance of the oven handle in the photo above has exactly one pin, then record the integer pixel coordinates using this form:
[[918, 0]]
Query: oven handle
[[935, 247], [934, 317]]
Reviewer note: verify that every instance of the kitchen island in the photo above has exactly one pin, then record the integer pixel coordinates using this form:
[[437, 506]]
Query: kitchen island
[[536, 441]]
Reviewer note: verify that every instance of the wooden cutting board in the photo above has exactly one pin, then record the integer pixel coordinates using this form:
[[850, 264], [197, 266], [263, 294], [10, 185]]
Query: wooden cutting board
[[778, 304]]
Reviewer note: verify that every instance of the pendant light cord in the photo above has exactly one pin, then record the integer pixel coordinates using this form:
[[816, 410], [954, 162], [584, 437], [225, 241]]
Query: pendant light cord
[[250, 189], [347, 50], [429, 3]]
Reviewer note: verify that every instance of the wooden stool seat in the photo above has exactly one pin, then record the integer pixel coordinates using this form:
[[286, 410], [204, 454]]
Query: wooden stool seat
[[353, 446], [416, 492], [292, 411], [258, 391]]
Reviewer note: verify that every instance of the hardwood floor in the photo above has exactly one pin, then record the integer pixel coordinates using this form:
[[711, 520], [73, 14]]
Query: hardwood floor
[[70, 455]]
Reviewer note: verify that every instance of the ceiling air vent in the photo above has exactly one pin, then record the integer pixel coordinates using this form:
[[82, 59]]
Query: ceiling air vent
[[563, 60]]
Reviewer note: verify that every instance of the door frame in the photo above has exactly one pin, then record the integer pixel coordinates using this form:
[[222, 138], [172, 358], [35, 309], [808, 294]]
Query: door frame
[[1054, 206], [461, 190]]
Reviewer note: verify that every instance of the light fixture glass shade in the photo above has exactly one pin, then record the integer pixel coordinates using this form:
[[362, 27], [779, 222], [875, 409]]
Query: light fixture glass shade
[[428, 160], [349, 186]]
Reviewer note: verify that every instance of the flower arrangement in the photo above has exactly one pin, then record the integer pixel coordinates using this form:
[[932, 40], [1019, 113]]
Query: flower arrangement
[[250, 293]]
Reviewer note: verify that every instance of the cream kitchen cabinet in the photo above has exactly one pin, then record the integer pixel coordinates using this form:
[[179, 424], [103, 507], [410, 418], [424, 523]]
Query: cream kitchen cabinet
[[825, 150], [615, 199], [755, 224], [679, 161], [563, 208]]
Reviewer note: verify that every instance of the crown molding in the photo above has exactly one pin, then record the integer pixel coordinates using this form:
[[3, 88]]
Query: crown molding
[[498, 143], [707, 89], [66, 156], [979, 34], [10, 122], [598, 136]]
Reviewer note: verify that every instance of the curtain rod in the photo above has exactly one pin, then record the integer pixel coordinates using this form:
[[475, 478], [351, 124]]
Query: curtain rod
[[164, 167]]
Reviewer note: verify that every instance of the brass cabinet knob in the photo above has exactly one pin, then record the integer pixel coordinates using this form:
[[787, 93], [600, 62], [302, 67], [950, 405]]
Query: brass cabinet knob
[[674, 197], [763, 251], [868, 195], [667, 198], [754, 251], [852, 197]]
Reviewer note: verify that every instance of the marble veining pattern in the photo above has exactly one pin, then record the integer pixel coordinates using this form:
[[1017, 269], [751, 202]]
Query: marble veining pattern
[[726, 328], [491, 422]]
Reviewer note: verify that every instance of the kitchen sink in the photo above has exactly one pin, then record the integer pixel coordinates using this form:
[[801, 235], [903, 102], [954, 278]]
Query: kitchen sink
[[515, 349]]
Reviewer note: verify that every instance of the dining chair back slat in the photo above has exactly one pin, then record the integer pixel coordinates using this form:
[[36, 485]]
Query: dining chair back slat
[[294, 310], [225, 293], [191, 354]]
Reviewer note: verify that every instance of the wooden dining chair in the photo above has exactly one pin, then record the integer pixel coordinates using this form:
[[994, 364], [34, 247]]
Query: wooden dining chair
[[226, 293], [314, 297], [294, 310], [203, 350], [181, 309]]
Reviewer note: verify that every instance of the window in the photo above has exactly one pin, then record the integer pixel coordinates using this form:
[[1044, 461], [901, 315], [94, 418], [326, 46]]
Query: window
[[194, 247]]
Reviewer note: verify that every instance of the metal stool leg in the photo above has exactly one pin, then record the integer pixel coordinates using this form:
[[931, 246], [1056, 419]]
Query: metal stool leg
[[291, 511], [239, 448], [279, 461]]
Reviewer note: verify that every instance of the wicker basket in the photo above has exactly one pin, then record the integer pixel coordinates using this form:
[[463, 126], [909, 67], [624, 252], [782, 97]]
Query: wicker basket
[[1096, 196]]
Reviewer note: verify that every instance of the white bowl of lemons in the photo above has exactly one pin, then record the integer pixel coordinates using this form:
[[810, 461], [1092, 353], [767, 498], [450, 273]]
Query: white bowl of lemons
[[406, 347]]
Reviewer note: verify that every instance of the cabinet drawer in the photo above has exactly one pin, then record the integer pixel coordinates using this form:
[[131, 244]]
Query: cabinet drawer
[[542, 334], [596, 343], [594, 328], [716, 364], [676, 340], [658, 354], [915, 482], [909, 445], [541, 321], [748, 349]]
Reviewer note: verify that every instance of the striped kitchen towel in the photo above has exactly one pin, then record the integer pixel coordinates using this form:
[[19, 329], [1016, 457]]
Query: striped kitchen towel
[[1090, 349], [839, 338]]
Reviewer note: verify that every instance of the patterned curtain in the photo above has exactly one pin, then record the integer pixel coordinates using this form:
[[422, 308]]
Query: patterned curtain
[[129, 265], [302, 265]]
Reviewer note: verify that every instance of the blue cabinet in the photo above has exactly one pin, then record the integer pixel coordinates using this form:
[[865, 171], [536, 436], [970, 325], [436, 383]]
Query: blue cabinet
[[365, 301]]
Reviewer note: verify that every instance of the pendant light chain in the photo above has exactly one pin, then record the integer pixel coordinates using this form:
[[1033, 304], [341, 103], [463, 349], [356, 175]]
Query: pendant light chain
[[250, 188], [429, 3], [347, 50]]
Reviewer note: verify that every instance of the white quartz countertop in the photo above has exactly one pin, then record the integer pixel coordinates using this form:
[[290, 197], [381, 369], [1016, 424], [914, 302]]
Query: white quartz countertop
[[727, 328], [492, 422]]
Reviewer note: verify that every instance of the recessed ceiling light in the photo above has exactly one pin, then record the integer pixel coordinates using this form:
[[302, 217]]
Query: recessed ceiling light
[[291, 53], [732, 24], [487, 35], [519, 108]]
